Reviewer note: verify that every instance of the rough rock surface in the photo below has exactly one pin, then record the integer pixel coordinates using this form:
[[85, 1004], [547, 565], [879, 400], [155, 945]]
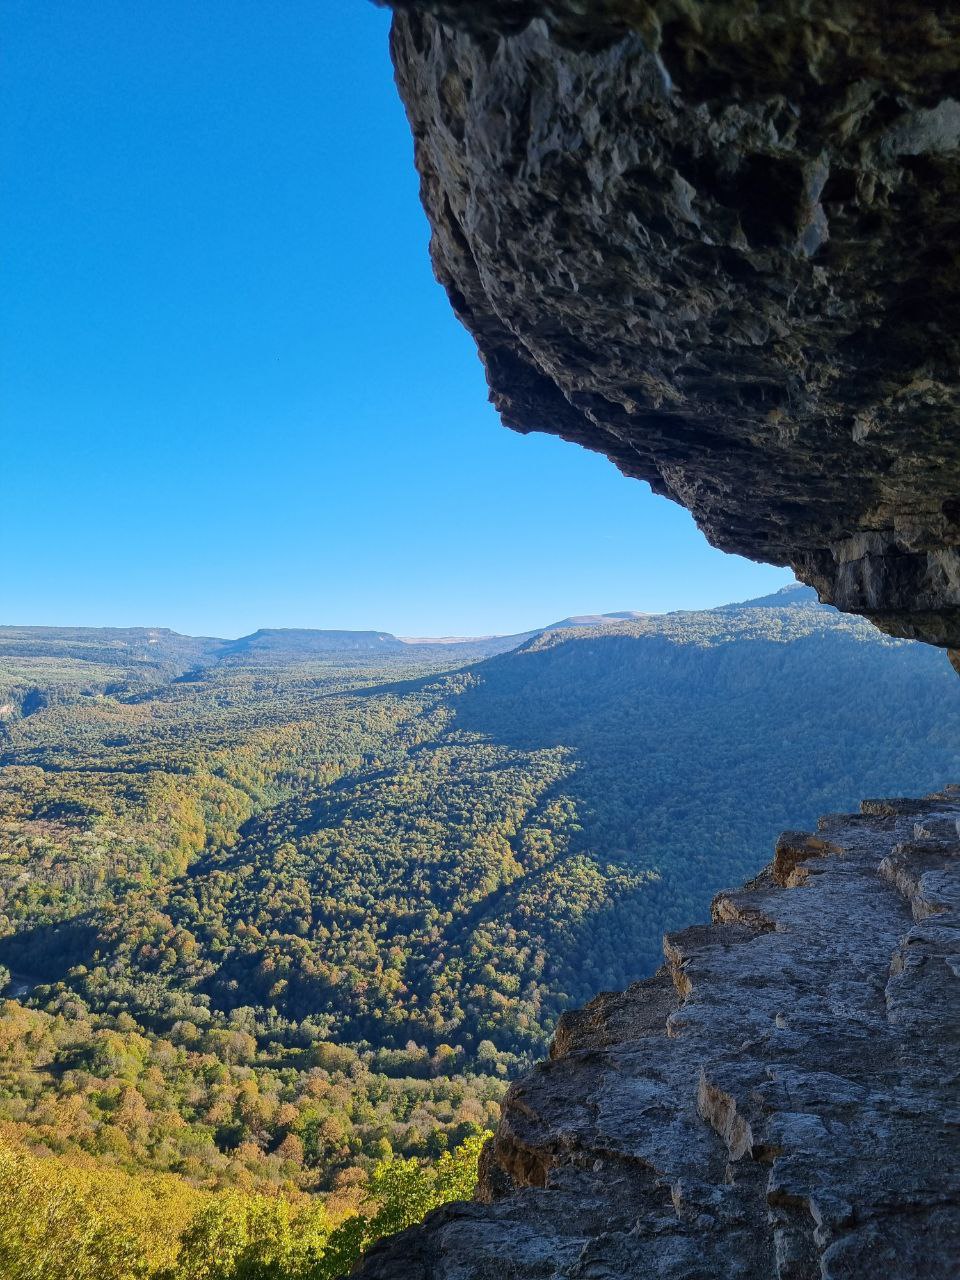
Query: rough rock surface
[[718, 241], [782, 1099]]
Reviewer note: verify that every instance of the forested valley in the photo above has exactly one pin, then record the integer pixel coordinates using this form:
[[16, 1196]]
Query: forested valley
[[279, 918]]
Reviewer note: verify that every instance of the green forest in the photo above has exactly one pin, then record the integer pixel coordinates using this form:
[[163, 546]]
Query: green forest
[[279, 918]]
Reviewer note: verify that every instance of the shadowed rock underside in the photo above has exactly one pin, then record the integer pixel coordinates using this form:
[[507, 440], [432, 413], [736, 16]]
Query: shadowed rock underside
[[718, 242], [782, 1099]]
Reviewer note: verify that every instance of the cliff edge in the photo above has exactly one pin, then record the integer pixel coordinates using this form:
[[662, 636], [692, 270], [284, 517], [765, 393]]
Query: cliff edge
[[718, 242], [782, 1099]]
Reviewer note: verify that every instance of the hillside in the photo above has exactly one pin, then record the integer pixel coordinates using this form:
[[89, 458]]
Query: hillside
[[293, 644], [70, 661], [488, 781], [776, 1100], [594, 620], [131, 647], [302, 912]]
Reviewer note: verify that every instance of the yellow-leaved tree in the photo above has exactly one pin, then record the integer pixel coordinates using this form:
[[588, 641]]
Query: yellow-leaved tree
[[66, 1221]]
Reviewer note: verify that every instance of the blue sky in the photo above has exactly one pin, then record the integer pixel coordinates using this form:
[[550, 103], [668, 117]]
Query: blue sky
[[232, 394]]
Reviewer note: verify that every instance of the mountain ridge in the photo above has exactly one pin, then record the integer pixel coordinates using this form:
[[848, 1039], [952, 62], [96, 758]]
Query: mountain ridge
[[297, 642]]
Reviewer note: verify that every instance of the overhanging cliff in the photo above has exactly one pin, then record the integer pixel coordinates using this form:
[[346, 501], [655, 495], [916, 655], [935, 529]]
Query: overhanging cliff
[[781, 1100], [718, 242]]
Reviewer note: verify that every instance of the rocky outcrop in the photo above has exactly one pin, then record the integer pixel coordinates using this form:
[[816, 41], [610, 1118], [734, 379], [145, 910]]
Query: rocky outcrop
[[718, 242], [782, 1099]]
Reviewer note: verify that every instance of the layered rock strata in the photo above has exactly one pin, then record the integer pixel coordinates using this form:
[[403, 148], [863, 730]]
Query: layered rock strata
[[718, 242], [782, 1099]]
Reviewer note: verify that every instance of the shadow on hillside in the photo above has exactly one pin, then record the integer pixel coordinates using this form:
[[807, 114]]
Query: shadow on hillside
[[47, 952], [716, 749]]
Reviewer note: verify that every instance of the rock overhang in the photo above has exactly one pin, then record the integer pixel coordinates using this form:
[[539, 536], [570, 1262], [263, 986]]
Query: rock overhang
[[718, 242]]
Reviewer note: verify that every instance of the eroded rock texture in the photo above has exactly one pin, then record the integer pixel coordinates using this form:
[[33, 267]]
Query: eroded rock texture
[[718, 242], [781, 1100]]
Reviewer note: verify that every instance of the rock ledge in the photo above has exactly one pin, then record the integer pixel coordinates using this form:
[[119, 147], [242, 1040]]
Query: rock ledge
[[782, 1099]]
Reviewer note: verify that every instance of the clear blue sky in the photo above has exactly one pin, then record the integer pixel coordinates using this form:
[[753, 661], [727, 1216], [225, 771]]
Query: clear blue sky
[[232, 394]]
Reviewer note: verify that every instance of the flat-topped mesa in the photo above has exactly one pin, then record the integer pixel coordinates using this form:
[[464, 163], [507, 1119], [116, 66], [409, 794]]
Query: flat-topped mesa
[[780, 1100], [718, 242]]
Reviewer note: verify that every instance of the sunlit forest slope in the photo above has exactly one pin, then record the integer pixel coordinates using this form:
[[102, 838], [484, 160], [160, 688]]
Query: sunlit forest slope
[[276, 914]]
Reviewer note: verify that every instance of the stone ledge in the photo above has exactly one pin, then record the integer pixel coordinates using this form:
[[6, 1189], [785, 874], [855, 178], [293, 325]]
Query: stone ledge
[[781, 1100]]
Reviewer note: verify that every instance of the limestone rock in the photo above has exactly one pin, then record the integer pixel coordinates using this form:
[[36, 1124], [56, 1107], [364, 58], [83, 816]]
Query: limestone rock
[[718, 242], [782, 1099]]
